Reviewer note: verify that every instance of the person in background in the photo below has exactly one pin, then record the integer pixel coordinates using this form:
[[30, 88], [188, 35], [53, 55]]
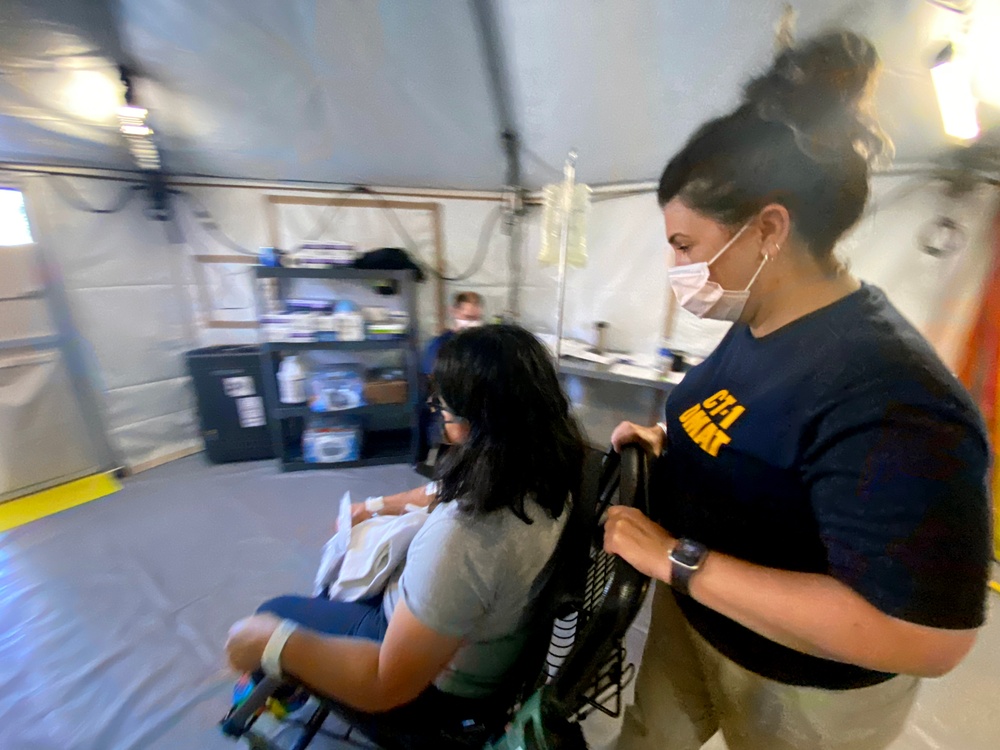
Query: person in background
[[821, 523], [466, 312]]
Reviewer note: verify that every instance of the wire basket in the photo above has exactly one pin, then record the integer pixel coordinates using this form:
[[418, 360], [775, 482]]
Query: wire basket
[[604, 692]]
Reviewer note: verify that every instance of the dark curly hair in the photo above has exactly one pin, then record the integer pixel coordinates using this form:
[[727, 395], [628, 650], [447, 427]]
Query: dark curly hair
[[803, 137], [523, 442]]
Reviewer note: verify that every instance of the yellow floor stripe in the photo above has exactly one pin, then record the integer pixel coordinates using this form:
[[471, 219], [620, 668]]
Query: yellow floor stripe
[[48, 502], [995, 586]]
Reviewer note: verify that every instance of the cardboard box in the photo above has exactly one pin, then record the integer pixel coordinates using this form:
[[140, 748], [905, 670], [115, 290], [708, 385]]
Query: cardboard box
[[385, 392]]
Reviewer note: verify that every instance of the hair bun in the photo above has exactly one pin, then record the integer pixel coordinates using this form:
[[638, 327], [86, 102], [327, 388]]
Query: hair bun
[[820, 89]]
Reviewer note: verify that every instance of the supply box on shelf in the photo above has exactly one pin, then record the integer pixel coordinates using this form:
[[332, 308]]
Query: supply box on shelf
[[329, 321], [329, 440], [385, 386]]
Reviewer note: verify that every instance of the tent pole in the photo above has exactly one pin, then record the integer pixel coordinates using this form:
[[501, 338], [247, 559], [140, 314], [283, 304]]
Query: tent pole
[[515, 229], [513, 221], [495, 61]]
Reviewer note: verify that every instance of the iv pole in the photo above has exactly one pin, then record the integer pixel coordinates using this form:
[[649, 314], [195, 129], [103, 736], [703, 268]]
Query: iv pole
[[569, 181]]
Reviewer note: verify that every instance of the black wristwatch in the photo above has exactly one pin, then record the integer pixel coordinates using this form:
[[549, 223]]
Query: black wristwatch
[[686, 557]]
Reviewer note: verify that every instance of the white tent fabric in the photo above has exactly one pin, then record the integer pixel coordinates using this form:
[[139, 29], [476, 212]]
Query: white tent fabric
[[139, 301], [399, 94], [43, 437], [385, 93], [941, 296], [130, 295]]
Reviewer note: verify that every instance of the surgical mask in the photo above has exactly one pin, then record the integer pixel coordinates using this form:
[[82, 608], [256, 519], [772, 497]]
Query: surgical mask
[[699, 295], [461, 325]]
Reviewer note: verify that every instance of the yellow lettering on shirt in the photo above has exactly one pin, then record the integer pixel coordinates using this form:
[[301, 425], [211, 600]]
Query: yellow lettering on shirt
[[708, 403], [706, 423], [689, 413], [693, 426], [735, 414], [718, 441], [724, 406], [706, 437]]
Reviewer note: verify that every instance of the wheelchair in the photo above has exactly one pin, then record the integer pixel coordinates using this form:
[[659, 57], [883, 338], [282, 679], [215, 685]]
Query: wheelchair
[[574, 662]]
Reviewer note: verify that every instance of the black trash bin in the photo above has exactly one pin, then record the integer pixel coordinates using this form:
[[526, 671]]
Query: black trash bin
[[229, 390]]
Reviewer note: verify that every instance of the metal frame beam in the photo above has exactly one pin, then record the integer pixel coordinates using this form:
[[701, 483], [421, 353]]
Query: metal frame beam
[[494, 56]]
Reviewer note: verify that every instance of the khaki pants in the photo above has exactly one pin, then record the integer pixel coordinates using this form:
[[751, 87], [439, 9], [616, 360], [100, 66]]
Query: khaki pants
[[686, 691]]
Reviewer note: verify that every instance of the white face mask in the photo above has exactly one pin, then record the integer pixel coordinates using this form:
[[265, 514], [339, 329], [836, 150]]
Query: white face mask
[[706, 298], [461, 325]]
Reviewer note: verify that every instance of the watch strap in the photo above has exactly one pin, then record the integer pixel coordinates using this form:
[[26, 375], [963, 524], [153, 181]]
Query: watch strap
[[682, 569]]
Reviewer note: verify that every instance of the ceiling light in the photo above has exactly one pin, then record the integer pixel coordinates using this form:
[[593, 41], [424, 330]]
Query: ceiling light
[[136, 129], [127, 112], [91, 95], [952, 76], [132, 124]]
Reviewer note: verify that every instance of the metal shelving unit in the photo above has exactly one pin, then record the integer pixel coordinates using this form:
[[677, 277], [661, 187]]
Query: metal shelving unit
[[390, 431], [335, 273], [369, 345]]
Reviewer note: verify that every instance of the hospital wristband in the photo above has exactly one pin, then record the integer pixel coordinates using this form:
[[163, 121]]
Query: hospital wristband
[[270, 660], [374, 504]]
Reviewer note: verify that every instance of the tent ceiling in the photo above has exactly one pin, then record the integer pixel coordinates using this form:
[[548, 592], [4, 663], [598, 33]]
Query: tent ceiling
[[397, 93]]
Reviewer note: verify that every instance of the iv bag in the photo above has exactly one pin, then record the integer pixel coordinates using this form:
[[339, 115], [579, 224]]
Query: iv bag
[[552, 223]]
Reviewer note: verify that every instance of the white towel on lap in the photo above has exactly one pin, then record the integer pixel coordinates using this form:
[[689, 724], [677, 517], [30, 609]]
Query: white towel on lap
[[358, 562]]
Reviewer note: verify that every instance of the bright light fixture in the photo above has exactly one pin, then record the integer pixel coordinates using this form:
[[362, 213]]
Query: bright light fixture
[[952, 77], [128, 112], [132, 123], [90, 95]]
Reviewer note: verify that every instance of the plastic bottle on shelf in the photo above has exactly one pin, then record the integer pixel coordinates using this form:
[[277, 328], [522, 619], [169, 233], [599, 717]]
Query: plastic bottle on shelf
[[291, 381], [349, 323], [664, 358]]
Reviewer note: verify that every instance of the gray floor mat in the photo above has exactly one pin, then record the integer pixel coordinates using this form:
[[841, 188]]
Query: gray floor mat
[[113, 614]]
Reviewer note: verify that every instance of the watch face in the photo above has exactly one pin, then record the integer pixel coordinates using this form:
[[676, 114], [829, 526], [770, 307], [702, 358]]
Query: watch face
[[688, 552]]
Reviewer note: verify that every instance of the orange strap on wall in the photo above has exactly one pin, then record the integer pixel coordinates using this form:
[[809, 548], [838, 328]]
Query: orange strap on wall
[[980, 370]]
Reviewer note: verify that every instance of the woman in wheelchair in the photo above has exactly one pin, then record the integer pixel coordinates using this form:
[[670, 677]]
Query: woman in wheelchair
[[446, 639]]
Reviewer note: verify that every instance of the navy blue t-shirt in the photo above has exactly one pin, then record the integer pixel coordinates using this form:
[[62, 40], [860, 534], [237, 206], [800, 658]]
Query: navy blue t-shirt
[[839, 444], [430, 354]]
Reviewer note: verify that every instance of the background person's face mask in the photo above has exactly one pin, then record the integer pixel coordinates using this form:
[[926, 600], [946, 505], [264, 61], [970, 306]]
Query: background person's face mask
[[699, 295], [461, 325]]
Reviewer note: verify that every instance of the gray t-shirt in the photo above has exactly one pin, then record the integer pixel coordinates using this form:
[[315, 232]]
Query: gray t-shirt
[[475, 578]]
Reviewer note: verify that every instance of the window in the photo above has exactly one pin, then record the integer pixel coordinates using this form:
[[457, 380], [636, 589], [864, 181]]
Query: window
[[14, 228]]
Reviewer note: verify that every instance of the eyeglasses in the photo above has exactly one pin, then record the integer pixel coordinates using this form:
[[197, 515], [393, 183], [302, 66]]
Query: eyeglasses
[[436, 405]]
